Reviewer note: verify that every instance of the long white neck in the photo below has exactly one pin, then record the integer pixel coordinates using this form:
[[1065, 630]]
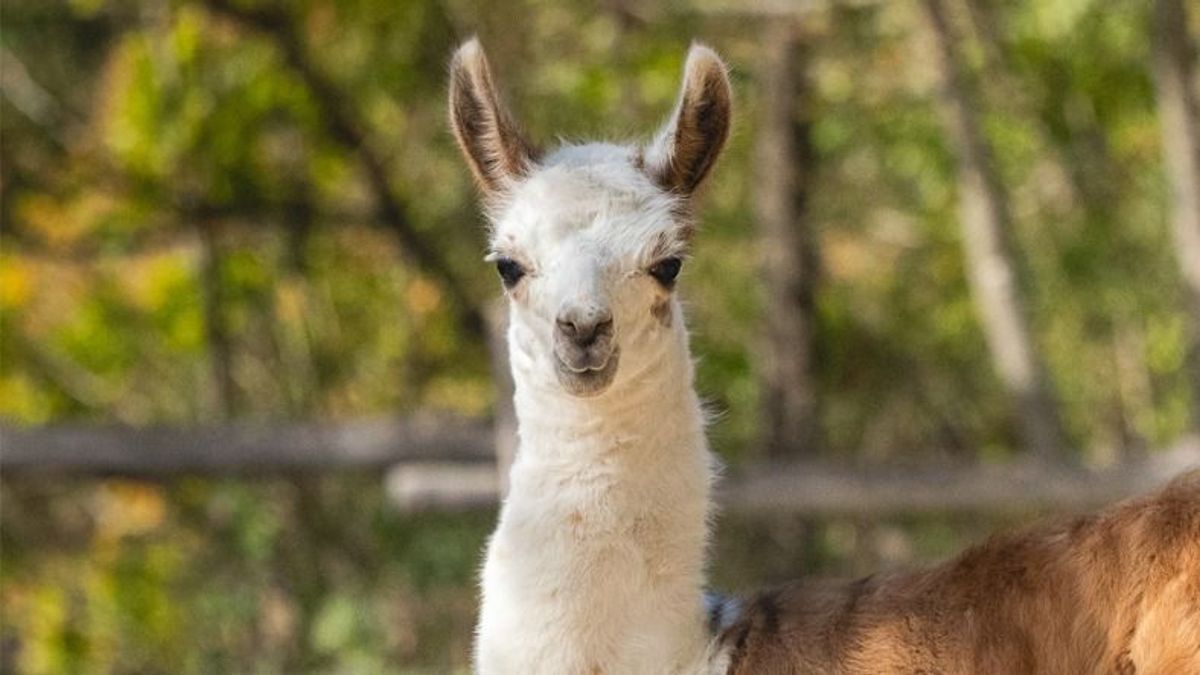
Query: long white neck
[[597, 563]]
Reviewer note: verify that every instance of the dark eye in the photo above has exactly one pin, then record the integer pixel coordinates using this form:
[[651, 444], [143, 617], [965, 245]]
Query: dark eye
[[510, 271], [664, 271]]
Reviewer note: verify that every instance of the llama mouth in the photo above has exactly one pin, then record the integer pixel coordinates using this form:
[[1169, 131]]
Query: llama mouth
[[589, 380]]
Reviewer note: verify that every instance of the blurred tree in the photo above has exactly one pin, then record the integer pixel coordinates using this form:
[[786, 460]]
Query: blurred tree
[[995, 276], [345, 127], [1179, 119], [784, 163]]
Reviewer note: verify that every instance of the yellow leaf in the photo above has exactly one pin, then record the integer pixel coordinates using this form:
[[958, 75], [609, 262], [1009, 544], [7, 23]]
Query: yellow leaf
[[128, 508], [16, 284]]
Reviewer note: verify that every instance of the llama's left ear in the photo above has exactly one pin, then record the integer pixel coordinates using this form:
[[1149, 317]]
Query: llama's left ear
[[494, 146], [689, 143]]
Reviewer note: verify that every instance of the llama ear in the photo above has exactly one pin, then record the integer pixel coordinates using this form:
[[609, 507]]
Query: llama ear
[[688, 145], [494, 146]]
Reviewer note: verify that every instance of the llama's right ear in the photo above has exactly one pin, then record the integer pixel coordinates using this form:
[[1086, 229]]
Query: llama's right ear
[[688, 145], [495, 149]]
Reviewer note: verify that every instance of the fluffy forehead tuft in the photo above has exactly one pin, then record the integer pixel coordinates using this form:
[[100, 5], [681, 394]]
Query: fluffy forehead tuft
[[595, 194]]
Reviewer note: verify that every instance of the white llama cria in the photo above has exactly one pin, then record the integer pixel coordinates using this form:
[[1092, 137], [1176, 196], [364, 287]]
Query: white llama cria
[[597, 563]]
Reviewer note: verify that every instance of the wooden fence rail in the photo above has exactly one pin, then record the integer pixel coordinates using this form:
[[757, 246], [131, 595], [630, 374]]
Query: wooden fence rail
[[243, 448], [823, 490], [449, 463]]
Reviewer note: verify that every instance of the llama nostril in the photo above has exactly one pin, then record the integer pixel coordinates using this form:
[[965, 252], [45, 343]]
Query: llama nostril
[[588, 335], [566, 327], [603, 327]]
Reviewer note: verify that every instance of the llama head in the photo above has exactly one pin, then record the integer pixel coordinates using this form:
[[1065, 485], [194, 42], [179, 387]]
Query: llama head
[[588, 239]]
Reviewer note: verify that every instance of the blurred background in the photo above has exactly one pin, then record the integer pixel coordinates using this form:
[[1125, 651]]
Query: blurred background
[[248, 339]]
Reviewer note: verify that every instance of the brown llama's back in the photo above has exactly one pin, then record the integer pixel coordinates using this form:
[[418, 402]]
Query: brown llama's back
[[1114, 592]]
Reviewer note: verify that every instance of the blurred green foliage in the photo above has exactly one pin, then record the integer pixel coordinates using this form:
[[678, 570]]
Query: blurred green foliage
[[188, 235]]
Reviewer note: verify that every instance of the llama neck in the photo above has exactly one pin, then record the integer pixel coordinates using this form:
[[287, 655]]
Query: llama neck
[[597, 564]]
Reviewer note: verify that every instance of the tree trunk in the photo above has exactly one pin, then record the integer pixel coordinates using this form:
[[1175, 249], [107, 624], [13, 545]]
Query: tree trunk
[[1174, 79], [785, 163], [992, 271], [1094, 182]]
